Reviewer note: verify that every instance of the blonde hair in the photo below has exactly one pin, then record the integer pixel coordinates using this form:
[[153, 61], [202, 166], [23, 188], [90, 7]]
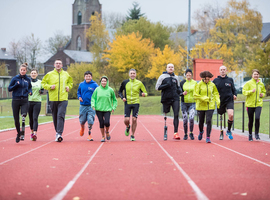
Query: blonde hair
[[24, 65]]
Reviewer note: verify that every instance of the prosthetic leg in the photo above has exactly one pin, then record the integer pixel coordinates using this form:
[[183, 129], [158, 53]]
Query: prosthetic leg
[[165, 128], [23, 127], [221, 130]]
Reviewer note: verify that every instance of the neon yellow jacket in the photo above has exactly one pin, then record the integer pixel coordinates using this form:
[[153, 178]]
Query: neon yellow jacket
[[253, 98], [60, 80], [132, 90], [206, 95]]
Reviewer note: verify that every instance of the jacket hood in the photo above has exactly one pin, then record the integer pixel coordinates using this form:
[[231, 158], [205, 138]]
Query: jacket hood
[[168, 73], [107, 85]]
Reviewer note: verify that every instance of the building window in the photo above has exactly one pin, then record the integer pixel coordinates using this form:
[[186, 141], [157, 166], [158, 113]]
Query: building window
[[79, 18], [67, 61], [79, 44]]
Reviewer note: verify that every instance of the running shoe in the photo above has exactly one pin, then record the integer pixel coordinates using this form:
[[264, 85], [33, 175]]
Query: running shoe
[[185, 137], [221, 135], [229, 134], [103, 139], [108, 136], [90, 138], [33, 137], [58, 138], [132, 138], [18, 137], [82, 131], [208, 140], [127, 130], [200, 136], [250, 138], [257, 137], [176, 136], [191, 136]]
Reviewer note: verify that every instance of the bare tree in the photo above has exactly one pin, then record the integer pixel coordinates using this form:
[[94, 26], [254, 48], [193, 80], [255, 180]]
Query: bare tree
[[206, 17], [113, 20], [58, 41]]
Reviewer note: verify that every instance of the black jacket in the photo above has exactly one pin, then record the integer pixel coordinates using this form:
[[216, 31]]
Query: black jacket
[[169, 86], [225, 88]]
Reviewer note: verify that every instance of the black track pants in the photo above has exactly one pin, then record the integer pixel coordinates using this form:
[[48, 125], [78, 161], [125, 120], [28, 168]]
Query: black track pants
[[34, 110], [251, 112], [209, 115], [17, 105]]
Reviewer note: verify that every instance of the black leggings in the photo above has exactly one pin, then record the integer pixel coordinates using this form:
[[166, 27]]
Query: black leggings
[[251, 112], [209, 115], [103, 118], [17, 105], [34, 110]]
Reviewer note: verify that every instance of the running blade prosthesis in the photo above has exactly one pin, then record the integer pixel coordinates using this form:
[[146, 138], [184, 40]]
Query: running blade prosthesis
[[165, 129]]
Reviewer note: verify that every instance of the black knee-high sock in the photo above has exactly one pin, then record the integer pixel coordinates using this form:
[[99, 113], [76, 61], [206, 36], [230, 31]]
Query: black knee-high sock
[[230, 125]]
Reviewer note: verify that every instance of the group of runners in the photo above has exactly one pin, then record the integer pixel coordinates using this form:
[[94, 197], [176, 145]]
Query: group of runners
[[100, 100]]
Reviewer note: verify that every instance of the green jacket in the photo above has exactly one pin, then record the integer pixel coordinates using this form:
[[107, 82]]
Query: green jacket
[[36, 87], [253, 98], [132, 90], [103, 99], [60, 80], [188, 86], [206, 95]]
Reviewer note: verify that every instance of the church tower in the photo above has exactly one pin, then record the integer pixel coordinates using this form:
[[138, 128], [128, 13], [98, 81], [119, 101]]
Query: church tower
[[81, 13]]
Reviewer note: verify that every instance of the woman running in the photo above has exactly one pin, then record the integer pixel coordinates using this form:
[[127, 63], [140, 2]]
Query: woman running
[[188, 103], [255, 91], [206, 95], [104, 102], [34, 103], [21, 87]]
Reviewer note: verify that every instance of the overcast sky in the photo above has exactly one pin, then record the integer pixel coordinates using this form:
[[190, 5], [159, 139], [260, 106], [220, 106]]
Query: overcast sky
[[20, 18]]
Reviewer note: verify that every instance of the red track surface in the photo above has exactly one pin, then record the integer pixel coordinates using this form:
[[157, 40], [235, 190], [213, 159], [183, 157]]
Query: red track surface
[[148, 168]]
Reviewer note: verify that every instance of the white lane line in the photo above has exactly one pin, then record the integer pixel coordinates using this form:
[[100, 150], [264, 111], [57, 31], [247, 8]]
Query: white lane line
[[32, 150], [66, 189], [242, 154], [199, 194]]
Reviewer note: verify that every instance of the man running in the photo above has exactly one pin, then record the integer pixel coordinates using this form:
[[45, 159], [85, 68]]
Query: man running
[[227, 91], [132, 88]]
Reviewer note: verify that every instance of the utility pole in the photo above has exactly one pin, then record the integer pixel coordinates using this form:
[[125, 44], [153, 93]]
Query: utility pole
[[188, 39]]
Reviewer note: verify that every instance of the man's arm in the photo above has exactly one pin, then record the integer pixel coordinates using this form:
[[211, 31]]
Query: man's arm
[[121, 89]]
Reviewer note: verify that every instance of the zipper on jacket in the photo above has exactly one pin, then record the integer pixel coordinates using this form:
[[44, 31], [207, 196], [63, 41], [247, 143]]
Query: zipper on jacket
[[207, 95], [256, 94], [22, 85], [131, 84], [59, 86]]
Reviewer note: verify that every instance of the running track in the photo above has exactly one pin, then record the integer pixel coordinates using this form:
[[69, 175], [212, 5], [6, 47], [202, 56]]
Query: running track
[[148, 168]]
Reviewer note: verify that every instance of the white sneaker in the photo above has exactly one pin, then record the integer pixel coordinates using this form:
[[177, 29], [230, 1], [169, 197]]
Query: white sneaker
[[58, 138]]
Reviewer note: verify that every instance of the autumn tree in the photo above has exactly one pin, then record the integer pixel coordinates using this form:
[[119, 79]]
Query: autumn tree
[[160, 60], [156, 32], [240, 30], [135, 12], [76, 71], [3, 69], [99, 38], [130, 51], [212, 50], [262, 63], [58, 41]]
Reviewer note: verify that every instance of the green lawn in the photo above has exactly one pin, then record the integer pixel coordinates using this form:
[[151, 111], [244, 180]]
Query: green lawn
[[149, 106]]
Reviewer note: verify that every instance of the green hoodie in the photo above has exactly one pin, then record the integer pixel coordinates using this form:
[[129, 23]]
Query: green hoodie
[[253, 98], [103, 99], [206, 94]]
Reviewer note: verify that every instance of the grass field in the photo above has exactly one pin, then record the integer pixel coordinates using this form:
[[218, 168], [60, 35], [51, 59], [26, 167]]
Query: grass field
[[149, 106]]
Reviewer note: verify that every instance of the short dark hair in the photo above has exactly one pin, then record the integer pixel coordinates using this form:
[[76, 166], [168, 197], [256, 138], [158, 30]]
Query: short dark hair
[[34, 69], [103, 77], [88, 72], [205, 74], [58, 59], [255, 70]]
